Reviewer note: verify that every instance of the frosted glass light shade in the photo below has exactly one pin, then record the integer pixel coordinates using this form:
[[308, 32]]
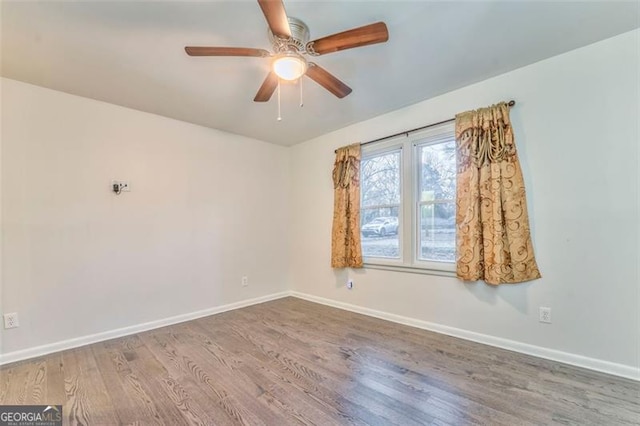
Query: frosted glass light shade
[[289, 66]]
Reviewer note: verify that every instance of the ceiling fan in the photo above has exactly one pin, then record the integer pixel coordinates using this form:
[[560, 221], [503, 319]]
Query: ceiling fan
[[290, 41]]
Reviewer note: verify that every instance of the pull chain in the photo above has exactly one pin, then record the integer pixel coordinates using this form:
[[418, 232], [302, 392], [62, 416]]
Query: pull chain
[[279, 115], [300, 83]]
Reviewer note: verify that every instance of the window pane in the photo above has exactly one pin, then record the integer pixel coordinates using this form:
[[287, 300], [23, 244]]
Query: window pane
[[379, 230], [380, 180], [437, 232], [438, 171]]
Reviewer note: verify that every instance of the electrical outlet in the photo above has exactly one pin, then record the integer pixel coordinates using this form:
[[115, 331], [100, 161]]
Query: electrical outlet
[[245, 281], [119, 186], [350, 284], [11, 320], [545, 315]]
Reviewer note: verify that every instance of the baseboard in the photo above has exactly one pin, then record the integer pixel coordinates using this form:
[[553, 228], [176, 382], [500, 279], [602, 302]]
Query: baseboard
[[126, 331], [607, 367]]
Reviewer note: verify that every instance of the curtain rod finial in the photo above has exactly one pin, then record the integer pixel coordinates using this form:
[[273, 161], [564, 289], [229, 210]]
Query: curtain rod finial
[[511, 103]]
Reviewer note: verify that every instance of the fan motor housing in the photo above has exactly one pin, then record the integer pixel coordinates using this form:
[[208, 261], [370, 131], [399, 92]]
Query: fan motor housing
[[298, 40]]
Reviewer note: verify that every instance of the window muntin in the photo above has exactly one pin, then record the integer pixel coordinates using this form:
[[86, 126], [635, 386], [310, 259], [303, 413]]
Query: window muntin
[[417, 174]]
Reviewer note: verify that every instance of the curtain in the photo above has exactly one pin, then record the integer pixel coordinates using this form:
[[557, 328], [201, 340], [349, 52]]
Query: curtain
[[493, 239], [345, 237]]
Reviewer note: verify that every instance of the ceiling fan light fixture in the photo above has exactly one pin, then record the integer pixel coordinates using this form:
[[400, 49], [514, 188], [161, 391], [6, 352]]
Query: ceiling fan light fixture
[[289, 66]]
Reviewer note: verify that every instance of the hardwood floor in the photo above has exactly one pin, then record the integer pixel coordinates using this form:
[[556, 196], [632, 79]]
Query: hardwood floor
[[295, 362]]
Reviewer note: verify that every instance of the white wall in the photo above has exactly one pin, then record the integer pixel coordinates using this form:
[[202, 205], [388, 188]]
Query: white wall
[[206, 207], [576, 127]]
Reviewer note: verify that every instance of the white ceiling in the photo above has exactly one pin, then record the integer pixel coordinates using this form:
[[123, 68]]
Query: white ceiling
[[131, 54]]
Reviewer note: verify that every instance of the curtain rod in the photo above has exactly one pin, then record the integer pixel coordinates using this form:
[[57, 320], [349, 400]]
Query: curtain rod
[[407, 132]]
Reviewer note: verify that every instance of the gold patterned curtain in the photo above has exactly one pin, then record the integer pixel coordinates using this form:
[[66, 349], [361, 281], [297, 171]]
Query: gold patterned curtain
[[346, 251], [493, 239]]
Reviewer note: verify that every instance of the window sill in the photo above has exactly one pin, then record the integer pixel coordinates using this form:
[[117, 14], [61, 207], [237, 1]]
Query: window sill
[[411, 270]]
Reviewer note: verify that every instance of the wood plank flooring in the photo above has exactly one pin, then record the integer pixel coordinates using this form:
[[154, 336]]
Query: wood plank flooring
[[295, 362]]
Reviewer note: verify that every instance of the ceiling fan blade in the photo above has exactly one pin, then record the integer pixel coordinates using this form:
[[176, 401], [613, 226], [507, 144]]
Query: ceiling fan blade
[[276, 17], [225, 51], [327, 80], [361, 36], [268, 87]]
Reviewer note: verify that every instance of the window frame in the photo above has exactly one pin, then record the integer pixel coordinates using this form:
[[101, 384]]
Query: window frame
[[408, 212]]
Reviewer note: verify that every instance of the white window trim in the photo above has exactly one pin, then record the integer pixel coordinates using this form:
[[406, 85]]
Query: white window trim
[[408, 210]]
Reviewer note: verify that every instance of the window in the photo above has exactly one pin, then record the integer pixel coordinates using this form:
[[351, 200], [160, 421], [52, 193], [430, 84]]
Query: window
[[437, 200], [408, 189], [380, 193]]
